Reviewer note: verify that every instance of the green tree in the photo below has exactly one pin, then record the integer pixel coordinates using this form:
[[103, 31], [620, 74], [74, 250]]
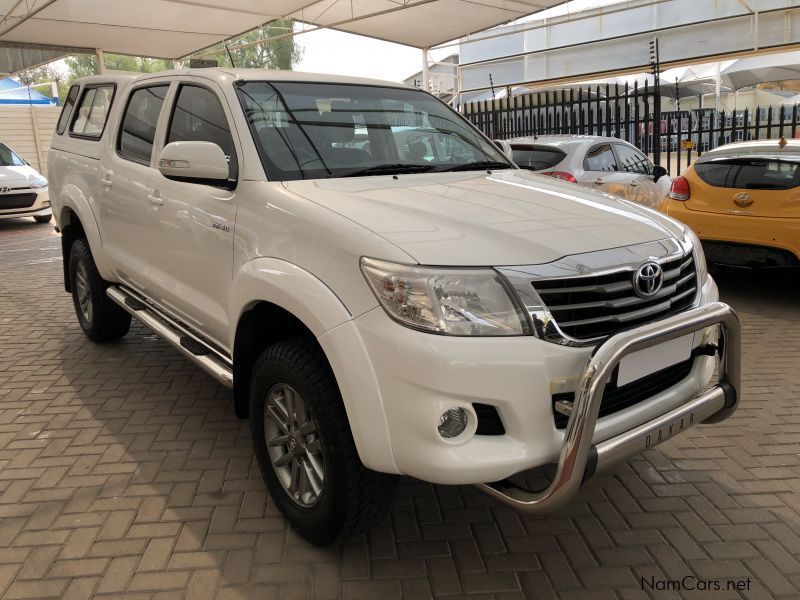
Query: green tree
[[280, 54], [42, 74], [82, 65]]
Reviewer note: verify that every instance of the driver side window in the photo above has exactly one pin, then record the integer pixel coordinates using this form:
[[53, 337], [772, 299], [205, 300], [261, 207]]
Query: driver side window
[[198, 116], [633, 161]]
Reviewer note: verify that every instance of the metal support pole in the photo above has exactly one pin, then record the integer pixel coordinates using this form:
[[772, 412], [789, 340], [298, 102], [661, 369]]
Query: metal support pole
[[717, 89], [426, 84], [101, 62]]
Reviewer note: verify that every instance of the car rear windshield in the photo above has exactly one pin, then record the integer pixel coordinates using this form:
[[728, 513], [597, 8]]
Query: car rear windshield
[[536, 158], [306, 130], [750, 173]]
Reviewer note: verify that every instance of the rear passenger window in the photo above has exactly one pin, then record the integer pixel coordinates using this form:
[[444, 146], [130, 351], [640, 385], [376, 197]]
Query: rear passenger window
[[63, 119], [198, 117], [139, 123], [90, 117], [601, 158]]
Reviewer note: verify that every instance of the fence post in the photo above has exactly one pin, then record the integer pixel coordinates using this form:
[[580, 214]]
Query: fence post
[[769, 122], [758, 123]]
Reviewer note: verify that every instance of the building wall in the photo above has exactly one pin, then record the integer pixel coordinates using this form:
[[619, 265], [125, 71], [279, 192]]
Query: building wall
[[28, 130]]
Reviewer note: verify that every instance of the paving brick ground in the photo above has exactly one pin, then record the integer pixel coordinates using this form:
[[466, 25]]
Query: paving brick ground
[[124, 473]]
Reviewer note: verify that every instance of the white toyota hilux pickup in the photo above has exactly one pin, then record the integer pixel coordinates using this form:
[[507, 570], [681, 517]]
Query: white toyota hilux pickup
[[383, 290]]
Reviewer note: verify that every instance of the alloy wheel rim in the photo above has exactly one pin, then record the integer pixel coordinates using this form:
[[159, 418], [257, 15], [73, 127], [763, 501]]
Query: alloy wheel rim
[[294, 445], [83, 292]]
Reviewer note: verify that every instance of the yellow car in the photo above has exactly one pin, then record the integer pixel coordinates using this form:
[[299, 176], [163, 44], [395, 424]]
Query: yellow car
[[743, 201]]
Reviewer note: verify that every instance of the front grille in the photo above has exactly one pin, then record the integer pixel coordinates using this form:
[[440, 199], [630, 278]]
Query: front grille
[[619, 398], [597, 306], [11, 201]]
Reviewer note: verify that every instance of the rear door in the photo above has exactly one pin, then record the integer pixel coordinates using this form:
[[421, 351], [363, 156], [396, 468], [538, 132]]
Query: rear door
[[753, 186], [638, 171], [125, 167], [601, 171], [193, 222]]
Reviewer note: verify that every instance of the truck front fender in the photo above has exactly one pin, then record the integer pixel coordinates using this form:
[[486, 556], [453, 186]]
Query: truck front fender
[[310, 301]]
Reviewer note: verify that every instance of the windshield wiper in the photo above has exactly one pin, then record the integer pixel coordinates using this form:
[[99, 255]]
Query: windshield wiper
[[385, 169], [478, 166]]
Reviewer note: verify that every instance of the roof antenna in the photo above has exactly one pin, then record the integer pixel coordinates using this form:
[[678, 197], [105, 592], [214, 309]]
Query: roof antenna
[[230, 56]]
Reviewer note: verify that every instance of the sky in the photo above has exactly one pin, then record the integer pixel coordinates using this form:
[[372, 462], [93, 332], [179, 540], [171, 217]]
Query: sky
[[336, 52]]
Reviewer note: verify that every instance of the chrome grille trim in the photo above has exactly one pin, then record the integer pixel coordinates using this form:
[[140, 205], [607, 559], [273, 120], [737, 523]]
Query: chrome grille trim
[[566, 311]]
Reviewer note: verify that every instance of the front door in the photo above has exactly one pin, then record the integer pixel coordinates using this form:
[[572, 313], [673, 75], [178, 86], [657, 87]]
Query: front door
[[601, 172], [194, 220], [639, 170]]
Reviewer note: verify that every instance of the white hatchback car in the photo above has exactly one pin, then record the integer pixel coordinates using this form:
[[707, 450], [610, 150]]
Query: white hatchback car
[[23, 190], [606, 164]]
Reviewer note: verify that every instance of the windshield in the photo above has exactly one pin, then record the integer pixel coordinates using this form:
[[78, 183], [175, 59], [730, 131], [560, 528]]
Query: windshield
[[319, 130], [9, 158]]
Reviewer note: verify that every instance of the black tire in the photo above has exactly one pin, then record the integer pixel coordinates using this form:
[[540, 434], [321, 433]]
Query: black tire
[[352, 497], [101, 319], [42, 218]]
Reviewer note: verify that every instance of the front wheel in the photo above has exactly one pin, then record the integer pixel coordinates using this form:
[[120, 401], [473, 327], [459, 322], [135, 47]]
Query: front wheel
[[305, 448], [101, 319]]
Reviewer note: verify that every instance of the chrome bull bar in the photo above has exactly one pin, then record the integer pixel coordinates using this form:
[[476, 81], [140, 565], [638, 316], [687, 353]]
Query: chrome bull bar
[[580, 458]]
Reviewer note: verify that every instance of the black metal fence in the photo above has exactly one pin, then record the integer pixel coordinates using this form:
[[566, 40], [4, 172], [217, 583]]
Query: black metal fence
[[627, 112]]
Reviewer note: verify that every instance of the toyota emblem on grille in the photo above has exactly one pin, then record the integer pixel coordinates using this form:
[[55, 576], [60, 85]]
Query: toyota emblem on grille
[[4, 189], [648, 279]]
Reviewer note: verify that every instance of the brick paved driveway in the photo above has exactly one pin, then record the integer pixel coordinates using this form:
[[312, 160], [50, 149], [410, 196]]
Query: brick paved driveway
[[124, 473]]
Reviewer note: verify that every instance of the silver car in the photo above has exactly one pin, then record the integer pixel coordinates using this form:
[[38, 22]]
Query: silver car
[[606, 164]]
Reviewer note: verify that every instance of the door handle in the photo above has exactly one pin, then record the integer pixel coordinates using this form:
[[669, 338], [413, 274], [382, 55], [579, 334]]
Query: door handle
[[155, 198], [634, 184], [597, 181], [106, 180]]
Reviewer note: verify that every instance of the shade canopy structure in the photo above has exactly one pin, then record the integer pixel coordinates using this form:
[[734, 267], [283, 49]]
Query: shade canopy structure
[[175, 29], [762, 69]]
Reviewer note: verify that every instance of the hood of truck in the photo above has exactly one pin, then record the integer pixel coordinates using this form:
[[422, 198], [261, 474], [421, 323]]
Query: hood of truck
[[474, 218]]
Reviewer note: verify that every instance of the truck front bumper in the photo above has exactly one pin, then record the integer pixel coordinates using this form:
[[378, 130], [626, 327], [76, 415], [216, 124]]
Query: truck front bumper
[[580, 458], [406, 379]]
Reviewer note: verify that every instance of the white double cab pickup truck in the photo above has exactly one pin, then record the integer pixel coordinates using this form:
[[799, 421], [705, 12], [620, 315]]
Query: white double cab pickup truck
[[383, 290]]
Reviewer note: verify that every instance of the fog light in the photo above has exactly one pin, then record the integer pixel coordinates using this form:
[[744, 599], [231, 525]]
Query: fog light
[[453, 422]]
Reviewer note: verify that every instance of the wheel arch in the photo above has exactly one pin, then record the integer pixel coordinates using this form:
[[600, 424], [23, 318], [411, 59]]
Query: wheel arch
[[76, 220], [275, 300]]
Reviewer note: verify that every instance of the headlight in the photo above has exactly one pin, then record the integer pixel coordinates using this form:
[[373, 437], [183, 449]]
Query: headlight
[[699, 256], [39, 183], [447, 301]]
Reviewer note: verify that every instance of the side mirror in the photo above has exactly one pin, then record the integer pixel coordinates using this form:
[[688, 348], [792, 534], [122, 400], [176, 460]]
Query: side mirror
[[197, 161], [658, 172]]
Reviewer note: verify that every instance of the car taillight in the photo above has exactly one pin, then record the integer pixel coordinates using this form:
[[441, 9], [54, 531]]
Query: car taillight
[[680, 189], [563, 175]]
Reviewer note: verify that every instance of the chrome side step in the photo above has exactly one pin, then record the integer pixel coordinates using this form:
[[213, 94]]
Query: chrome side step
[[182, 339]]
